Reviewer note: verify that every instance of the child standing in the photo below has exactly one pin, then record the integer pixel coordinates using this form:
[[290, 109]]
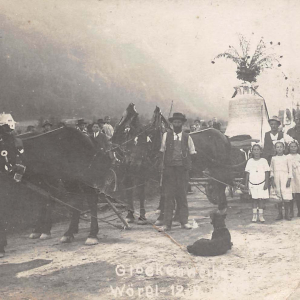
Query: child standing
[[295, 158], [281, 176], [257, 180]]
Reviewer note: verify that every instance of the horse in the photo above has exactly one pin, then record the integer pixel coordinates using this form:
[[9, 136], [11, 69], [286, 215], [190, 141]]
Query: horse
[[66, 161], [140, 145], [213, 156]]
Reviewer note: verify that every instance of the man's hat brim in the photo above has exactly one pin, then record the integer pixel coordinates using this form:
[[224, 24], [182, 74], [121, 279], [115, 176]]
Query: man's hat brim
[[278, 121], [177, 118]]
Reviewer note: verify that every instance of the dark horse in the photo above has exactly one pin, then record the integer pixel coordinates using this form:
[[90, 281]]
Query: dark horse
[[213, 155], [140, 146], [65, 161]]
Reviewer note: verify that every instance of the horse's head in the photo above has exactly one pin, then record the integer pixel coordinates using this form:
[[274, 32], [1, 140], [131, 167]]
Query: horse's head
[[148, 141], [128, 126]]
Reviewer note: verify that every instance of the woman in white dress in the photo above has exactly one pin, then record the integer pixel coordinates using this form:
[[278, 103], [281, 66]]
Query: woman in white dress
[[295, 158], [257, 181], [281, 177]]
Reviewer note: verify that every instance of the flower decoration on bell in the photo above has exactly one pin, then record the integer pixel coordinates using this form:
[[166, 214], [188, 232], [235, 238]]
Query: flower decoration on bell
[[250, 67]]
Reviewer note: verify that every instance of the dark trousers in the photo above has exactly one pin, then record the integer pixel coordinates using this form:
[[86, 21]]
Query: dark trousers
[[3, 241], [175, 184]]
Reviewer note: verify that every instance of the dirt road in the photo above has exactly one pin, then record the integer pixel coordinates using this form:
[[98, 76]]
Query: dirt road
[[144, 264]]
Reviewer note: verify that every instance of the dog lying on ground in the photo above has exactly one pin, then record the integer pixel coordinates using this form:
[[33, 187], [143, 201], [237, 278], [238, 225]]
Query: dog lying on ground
[[220, 241]]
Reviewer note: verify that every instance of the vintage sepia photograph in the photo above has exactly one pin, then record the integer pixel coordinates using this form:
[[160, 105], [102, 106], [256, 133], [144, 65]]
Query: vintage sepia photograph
[[149, 149]]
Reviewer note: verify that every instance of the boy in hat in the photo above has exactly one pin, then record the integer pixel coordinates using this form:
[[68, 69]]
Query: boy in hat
[[273, 135], [176, 148], [47, 126], [108, 129]]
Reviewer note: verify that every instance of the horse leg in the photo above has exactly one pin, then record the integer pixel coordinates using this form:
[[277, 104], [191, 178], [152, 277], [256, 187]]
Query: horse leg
[[3, 241], [160, 219], [141, 190], [161, 200], [68, 236], [128, 183], [38, 228], [46, 228], [92, 238], [176, 217], [222, 206]]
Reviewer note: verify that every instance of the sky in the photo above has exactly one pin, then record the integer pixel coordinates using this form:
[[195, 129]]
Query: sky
[[148, 52]]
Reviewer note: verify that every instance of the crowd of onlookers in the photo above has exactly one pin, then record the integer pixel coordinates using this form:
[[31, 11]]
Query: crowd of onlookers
[[201, 125], [104, 126]]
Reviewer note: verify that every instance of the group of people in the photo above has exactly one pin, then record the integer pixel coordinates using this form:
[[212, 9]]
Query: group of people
[[100, 132], [201, 125], [101, 126], [275, 165]]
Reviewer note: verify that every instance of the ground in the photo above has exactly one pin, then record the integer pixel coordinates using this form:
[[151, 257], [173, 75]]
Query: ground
[[142, 263]]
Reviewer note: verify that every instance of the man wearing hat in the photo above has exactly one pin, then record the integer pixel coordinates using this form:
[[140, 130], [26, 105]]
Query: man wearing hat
[[270, 136], [107, 128], [81, 126], [176, 148], [47, 126]]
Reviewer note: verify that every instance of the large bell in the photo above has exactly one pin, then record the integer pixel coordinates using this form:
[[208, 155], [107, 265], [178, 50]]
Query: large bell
[[248, 114]]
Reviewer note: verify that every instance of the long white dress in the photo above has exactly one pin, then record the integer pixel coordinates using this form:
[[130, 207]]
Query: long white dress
[[257, 171], [281, 170], [295, 158]]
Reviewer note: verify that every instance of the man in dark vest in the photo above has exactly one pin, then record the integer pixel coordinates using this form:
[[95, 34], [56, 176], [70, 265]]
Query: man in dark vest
[[176, 148], [270, 136]]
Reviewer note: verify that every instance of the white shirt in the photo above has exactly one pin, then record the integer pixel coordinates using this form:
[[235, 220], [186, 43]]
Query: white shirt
[[286, 137], [274, 137], [257, 170], [179, 137], [96, 134]]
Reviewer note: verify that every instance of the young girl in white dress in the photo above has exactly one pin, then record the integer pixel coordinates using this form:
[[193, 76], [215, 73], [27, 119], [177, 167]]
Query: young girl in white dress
[[257, 181], [295, 158], [281, 177]]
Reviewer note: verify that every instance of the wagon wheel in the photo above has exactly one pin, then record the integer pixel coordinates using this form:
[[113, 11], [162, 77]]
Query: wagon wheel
[[209, 188]]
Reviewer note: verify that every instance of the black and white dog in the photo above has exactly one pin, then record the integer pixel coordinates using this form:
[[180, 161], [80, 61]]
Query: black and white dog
[[220, 241]]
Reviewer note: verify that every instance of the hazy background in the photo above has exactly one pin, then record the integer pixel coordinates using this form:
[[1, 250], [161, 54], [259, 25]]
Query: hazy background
[[85, 58]]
